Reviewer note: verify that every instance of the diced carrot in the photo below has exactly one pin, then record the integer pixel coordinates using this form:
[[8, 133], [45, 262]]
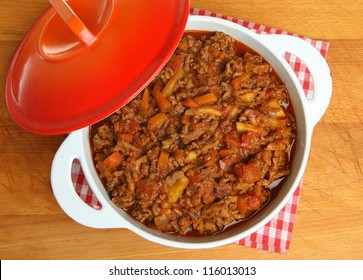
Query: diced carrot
[[157, 121], [240, 79], [127, 137], [206, 98], [163, 160], [113, 160], [177, 189], [208, 198], [190, 102], [190, 112], [173, 81], [145, 103], [185, 119], [163, 103], [225, 152]]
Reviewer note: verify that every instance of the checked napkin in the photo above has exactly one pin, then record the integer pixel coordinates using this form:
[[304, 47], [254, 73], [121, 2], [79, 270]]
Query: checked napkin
[[275, 236]]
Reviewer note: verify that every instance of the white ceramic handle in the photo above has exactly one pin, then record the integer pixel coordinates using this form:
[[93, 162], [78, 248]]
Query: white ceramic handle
[[315, 62], [66, 195]]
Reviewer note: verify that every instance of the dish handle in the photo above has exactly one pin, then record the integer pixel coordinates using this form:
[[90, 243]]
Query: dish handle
[[65, 193], [317, 65]]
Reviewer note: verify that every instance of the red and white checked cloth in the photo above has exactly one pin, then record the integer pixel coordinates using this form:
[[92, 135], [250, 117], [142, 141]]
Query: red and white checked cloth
[[275, 235]]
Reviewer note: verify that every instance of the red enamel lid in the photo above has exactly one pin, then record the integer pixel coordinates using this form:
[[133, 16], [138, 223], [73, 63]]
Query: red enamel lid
[[82, 60]]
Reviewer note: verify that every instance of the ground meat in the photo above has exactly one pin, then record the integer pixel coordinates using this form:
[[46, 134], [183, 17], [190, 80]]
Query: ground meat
[[201, 147]]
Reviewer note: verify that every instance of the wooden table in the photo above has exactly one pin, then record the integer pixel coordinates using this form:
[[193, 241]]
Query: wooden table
[[329, 222]]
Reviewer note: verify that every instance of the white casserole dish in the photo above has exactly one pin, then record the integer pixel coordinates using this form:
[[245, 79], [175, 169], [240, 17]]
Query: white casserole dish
[[307, 112]]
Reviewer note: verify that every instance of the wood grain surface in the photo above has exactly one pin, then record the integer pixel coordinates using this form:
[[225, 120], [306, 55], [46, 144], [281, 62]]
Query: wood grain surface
[[329, 222]]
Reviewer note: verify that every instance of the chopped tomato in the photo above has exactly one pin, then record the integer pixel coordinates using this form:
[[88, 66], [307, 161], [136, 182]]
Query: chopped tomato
[[127, 126], [248, 203], [233, 139], [212, 158], [249, 173], [179, 156], [194, 179], [247, 138]]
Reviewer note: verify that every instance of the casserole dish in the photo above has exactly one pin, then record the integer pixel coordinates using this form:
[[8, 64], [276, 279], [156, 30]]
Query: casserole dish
[[307, 113]]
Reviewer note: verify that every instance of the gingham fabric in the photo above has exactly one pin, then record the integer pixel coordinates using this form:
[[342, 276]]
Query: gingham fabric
[[275, 236]]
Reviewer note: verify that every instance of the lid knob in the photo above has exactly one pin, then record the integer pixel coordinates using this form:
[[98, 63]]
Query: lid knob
[[74, 27], [73, 21]]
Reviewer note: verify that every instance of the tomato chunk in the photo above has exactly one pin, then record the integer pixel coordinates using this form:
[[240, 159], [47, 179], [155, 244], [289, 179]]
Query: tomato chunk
[[248, 203]]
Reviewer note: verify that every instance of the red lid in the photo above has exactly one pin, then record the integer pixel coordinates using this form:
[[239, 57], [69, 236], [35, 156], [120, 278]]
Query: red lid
[[66, 76]]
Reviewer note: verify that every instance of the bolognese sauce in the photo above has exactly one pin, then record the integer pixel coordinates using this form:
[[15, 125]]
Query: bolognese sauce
[[204, 145]]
